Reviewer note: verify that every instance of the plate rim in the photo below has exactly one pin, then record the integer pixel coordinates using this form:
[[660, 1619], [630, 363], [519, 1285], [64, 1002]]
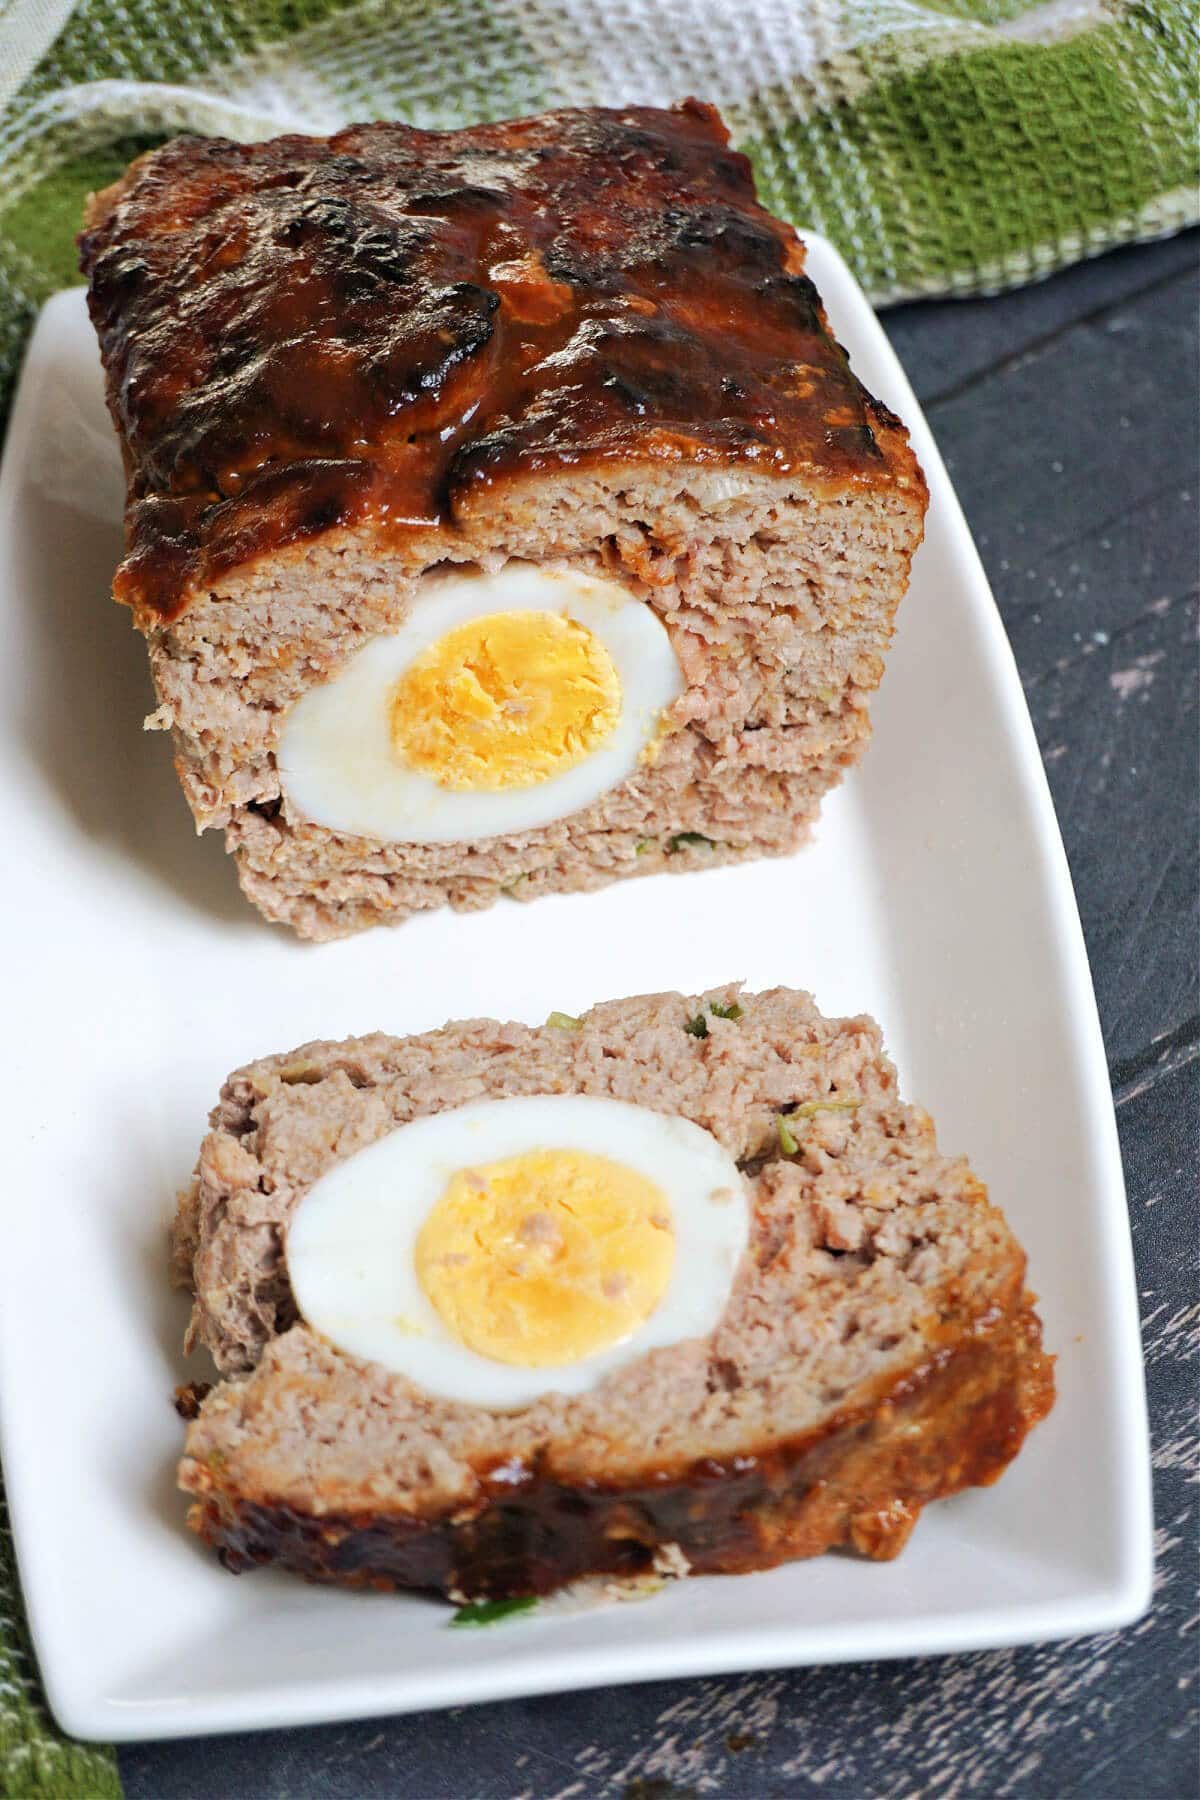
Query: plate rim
[[86, 1711]]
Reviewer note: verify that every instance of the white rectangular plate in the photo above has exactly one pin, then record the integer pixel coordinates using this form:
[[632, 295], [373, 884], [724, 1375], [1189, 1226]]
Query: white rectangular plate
[[936, 897]]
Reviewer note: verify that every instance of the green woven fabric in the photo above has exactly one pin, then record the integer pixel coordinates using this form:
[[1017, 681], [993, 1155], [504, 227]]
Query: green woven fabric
[[946, 146], [35, 1760]]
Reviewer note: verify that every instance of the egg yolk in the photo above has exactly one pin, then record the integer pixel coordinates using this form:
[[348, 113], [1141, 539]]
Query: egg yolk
[[546, 1257], [505, 701]]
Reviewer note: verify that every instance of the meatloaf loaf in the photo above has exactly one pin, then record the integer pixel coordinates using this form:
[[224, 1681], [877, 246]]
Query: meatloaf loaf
[[346, 372], [877, 1349]]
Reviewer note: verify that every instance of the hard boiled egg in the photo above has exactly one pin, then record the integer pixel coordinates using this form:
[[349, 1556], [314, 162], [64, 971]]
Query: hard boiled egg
[[515, 1247], [505, 701]]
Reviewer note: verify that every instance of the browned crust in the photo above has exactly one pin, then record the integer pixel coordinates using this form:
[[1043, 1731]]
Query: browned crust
[[382, 327], [859, 1482]]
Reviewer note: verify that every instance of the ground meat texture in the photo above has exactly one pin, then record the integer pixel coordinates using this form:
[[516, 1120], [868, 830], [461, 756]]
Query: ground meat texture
[[879, 1348], [328, 380]]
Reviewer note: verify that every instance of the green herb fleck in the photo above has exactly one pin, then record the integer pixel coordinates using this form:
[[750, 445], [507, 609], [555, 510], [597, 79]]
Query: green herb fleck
[[642, 845], [683, 840], [809, 1110], [490, 1612], [699, 1025], [510, 887], [564, 1022]]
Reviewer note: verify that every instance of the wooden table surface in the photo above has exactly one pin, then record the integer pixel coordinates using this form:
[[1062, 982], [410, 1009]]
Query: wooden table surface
[[1067, 416]]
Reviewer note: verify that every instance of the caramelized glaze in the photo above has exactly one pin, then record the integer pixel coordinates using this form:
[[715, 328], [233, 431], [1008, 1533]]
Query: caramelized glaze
[[859, 1482], [382, 325]]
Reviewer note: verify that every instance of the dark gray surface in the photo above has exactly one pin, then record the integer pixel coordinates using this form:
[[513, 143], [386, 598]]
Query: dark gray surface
[[1067, 414]]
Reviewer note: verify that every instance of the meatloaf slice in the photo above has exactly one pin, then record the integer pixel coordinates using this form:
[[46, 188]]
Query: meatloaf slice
[[878, 1350], [338, 366]]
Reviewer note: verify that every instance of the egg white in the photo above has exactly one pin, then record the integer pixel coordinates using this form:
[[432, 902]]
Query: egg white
[[337, 764], [351, 1240]]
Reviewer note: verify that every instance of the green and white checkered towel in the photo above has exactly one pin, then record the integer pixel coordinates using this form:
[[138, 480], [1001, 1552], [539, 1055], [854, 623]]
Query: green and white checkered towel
[[946, 146]]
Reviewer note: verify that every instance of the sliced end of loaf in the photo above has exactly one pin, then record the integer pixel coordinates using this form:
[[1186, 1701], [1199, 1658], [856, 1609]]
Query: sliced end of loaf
[[779, 602], [879, 1348]]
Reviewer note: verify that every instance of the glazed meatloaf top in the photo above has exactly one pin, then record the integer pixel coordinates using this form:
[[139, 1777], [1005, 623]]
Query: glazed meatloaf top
[[381, 326], [872, 1254]]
